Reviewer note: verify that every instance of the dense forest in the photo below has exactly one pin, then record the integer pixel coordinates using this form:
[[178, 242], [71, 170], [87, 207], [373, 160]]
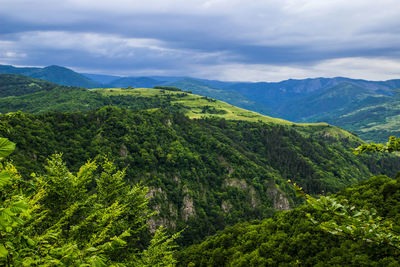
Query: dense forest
[[95, 177], [291, 238], [203, 174]]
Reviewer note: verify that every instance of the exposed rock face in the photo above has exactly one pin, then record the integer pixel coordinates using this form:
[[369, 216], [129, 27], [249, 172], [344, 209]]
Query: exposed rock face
[[226, 206], [155, 221], [229, 168], [176, 179], [279, 200], [242, 185], [123, 151], [187, 208], [254, 200], [155, 191]]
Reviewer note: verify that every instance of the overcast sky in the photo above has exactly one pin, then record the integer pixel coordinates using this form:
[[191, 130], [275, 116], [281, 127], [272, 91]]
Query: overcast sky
[[238, 40]]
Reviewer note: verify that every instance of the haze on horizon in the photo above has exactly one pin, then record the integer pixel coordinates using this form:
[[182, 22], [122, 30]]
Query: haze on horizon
[[234, 40]]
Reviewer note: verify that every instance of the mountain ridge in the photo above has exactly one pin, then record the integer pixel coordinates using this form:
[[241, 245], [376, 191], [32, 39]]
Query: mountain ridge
[[286, 99]]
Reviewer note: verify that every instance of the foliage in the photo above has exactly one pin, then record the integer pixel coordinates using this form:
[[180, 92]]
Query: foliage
[[168, 88], [12, 208], [89, 219], [392, 145], [16, 85], [352, 223], [361, 236], [203, 174], [160, 250]]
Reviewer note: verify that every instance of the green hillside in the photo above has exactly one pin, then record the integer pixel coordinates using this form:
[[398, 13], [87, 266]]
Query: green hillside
[[351, 104], [291, 239], [328, 102], [65, 98], [203, 174], [196, 106], [374, 118], [202, 164], [229, 96], [16, 85], [373, 122]]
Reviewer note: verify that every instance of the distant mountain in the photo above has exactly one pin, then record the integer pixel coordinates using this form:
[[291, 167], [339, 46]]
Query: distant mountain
[[225, 163], [201, 87], [356, 105], [273, 94], [100, 78], [340, 97], [137, 82], [8, 69], [367, 108], [56, 74]]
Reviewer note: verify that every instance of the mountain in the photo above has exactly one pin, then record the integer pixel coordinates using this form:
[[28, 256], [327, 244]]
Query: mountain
[[367, 108], [100, 78], [56, 74], [352, 104], [203, 174], [8, 69], [232, 97], [207, 164], [375, 118], [275, 94], [138, 82], [338, 98]]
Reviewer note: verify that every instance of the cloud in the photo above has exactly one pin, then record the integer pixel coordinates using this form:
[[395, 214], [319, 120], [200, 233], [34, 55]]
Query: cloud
[[188, 37], [373, 69]]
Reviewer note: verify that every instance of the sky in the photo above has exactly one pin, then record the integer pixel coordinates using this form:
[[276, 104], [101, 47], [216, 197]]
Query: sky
[[231, 40]]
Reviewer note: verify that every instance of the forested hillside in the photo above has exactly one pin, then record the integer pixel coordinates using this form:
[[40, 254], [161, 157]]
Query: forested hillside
[[203, 174], [208, 165], [17, 85], [368, 108], [291, 238]]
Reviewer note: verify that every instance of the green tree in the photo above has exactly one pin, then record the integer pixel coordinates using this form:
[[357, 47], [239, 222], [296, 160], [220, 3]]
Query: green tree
[[12, 208], [91, 218], [354, 223]]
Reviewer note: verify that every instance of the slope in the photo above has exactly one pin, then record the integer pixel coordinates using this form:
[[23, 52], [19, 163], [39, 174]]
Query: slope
[[203, 174], [229, 96], [62, 98], [56, 74], [328, 102], [374, 122], [291, 239], [17, 85]]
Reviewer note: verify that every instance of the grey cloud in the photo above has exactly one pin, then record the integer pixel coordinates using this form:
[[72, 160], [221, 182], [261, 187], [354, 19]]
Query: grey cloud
[[281, 33]]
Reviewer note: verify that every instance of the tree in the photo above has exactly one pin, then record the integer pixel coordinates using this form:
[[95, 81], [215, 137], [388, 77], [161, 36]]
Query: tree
[[12, 208], [91, 218], [351, 222]]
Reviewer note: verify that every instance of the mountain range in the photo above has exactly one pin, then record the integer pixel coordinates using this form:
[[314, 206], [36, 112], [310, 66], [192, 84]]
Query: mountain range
[[367, 108], [214, 173], [208, 164]]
